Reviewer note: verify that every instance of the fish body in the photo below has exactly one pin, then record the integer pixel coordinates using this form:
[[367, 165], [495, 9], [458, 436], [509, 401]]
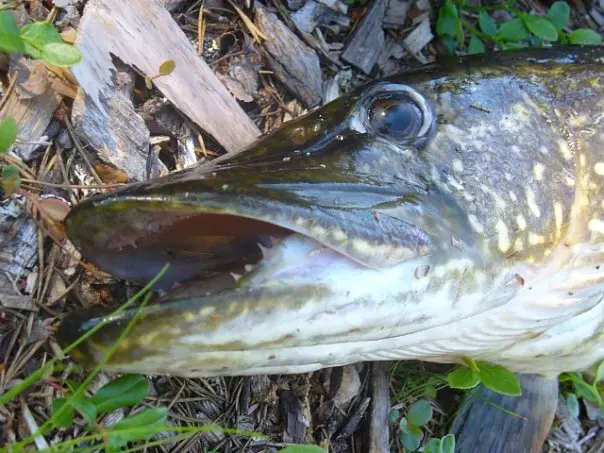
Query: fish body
[[454, 210]]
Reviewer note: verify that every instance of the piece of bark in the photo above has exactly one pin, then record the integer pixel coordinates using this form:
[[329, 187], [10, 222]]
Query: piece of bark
[[366, 44], [295, 5], [142, 34], [112, 126], [396, 14], [419, 38], [309, 16], [380, 406], [32, 103], [295, 424], [335, 5], [295, 64], [18, 240]]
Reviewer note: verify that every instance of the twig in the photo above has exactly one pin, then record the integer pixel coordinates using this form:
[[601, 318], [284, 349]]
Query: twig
[[380, 405]]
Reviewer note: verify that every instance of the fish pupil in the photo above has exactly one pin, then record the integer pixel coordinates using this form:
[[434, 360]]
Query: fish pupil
[[395, 117]]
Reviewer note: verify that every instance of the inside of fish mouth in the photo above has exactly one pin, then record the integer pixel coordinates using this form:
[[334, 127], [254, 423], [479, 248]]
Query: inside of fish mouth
[[225, 246]]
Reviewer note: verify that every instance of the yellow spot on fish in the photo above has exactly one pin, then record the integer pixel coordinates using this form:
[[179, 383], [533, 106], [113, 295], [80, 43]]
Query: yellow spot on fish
[[599, 168], [564, 149], [558, 215], [503, 237], [538, 171], [596, 226], [189, 317], [570, 182], [457, 165], [476, 225], [535, 239], [318, 231], [513, 196], [338, 235], [532, 203], [521, 221], [206, 311], [300, 221]]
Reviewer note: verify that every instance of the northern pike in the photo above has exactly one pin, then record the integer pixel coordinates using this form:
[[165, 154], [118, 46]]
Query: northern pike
[[453, 210]]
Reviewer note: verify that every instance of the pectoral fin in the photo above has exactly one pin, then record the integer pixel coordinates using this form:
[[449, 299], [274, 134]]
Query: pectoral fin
[[482, 427]]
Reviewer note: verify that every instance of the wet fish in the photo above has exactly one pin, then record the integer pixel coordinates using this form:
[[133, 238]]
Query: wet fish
[[452, 210]]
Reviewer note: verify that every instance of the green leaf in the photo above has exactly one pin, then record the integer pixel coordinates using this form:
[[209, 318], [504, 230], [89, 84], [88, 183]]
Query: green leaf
[[433, 446], [8, 133], [10, 179], [61, 54], [403, 425], [119, 435], [86, 408], [559, 14], [419, 413], [487, 24], [38, 34], [476, 46], [572, 403], [499, 379], [586, 391], [462, 378], [411, 438], [167, 67], [585, 36], [513, 45], [450, 44], [302, 449], [393, 416], [124, 391], [66, 418], [430, 391], [541, 27], [447, 444], [513, 30], [447, 26], [10, 41], [599, 373]]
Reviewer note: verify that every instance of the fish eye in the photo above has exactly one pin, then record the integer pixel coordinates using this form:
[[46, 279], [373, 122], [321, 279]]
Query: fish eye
[[399, 113], [395, 116]]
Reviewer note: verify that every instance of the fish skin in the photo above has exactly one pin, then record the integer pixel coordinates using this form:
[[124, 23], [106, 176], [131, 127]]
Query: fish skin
[[500, 197]]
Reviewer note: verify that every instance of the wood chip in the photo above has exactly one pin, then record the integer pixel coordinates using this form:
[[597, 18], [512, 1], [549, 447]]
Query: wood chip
[[33, 103], [396, 14], [309, 16], [295, 64], [419, 38], [366, 45], [144, 35], [335, 5]]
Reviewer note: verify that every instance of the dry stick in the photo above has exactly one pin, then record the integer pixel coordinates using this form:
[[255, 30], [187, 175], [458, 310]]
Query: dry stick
[[9, 91], [380, 405], [80, 149]]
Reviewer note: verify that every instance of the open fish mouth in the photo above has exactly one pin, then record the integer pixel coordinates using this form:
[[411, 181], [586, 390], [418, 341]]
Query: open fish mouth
[[356, 233]]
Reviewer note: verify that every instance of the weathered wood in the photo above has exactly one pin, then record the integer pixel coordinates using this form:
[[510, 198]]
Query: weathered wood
[[32, 104], [142, 34], [419, 38], [112, 127], [295, 64], [309, 16], [366, 45], [380, 405], [396, 13]]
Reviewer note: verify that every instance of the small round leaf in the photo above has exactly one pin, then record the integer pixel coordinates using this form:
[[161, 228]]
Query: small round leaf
[[462, 378], [513, 30], [499, 379], [167, 67], [10, 41], [411, 438], [541, 27], [419, 413], [124, 391], [61, 54], [486, 23], [585, 36], [447, 25], [559, 14]]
